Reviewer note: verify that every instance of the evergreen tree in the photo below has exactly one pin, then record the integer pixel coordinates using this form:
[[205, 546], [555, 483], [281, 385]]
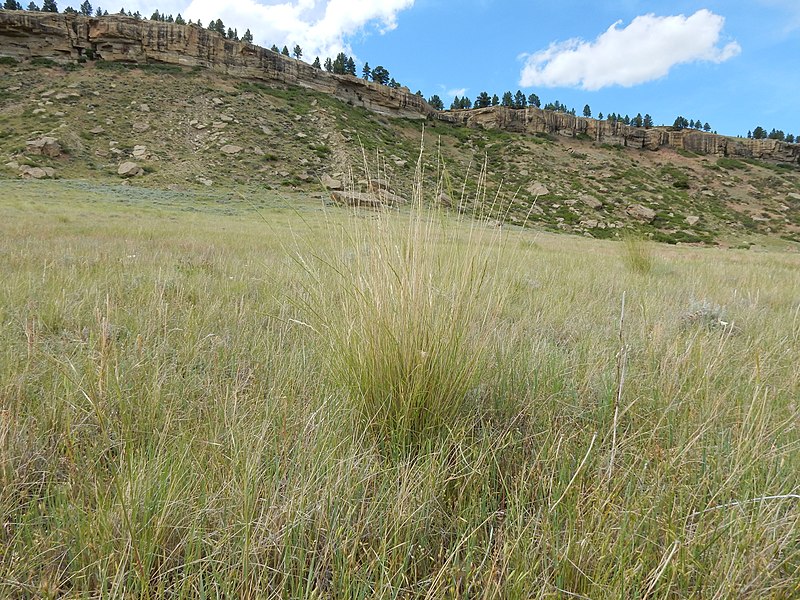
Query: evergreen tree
[[316, 64], [380, 75], [706, 127], [626, 120], [749, 135], [637, 121], [790, 138], [156, 16], [32, 7], [49, 6], [680, 123], [483, 100], [456, 104], [366, 72], [533, 100], [520, 101], [466, 103], [587, 111], [508, 100], [340, 63], [285, 51], [647, 121], [70, 11], [298, 52], [247, 37], [600, 116], [98, 13], [393, 84], [350, 66], [179, 20], [436, 102], [275, 49], [329, 65], [219, 27], [229, 34], [169, 18], [495, 100]]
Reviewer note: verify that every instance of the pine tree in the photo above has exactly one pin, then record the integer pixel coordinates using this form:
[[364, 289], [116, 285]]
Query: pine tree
[[316, 64], [520, 101], [366, 72], [508, 100], [466, 103], [70, 11], [275, 49], [483, 100], [219, 27], [32, 7], [98, 13], [247, 37], [298, 52], [12, 5], [329, 65], [350, 66], [179, 20], [600, 117], [393, 84], [229, 34], [436, 102], [456, 104], [647, 122], [495, 100], [707, 127], [637, 121], [156, 16], [790, 138], [285, 51], [380, 75], [49, 6], [533, 100], [587, 111]]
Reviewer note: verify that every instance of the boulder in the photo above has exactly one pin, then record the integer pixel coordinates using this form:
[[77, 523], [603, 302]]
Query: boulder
[[129, 169], [692, 220], [538, 189], [231, 149], [331, 183], [378, 184], [37, 172], [642, 213], [358, 199], [44, 145], [591, 201], [139, 151]]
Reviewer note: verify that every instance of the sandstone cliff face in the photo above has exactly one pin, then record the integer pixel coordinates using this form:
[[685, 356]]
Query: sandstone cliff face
[[533, 120], [65, 38]]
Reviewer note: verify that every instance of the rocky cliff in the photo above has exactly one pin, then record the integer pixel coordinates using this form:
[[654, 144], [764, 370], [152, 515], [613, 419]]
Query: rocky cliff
[[69, 37], [533, 120]]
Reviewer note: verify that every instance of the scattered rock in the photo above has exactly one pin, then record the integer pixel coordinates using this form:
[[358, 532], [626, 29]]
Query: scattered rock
[[39, 111], [377, 184], [37, 172], [331, 183], [12, 164], [45, 145], [301, 135], [356, 199], [538, 189], [217, 102], [589, 223], [144, 108], [231, 149], [205, 182], [445, 200], [97, 130], [692, 220], [140, 151], [226, 118], [642, 213], [141, 126], [129, 169], [793, 196], [591, 201], [219, 125]]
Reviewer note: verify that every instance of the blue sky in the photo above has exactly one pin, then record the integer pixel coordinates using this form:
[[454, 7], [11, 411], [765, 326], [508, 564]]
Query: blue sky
[[734, 64]]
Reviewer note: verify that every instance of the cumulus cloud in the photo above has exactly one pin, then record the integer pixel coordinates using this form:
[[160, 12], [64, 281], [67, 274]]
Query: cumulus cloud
[[643, 51], [320, 27]]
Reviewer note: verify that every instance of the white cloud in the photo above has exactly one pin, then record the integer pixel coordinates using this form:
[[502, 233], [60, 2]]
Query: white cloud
[[456, 92], [643, 51], [321, 27]]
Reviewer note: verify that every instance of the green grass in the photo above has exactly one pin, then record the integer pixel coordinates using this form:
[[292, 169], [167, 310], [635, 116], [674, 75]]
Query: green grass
[[193, 403]]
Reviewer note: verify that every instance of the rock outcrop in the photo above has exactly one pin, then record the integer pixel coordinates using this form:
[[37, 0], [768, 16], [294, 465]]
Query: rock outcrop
[[532, 120], [70, 37]]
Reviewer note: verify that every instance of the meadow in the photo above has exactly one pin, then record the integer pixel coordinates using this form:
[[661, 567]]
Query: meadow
[[260, 396]]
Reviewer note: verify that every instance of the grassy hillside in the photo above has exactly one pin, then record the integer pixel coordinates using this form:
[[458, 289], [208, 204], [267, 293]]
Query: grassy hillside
[[181, 120], [218, 396]]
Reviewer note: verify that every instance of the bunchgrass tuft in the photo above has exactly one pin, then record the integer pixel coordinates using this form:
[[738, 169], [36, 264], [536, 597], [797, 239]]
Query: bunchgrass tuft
[[638, 255]]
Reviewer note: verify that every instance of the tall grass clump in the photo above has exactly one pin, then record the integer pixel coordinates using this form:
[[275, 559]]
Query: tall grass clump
[[637, 255], [406, 305]]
